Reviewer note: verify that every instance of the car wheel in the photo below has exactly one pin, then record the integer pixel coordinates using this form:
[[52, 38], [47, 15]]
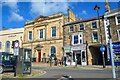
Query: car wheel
[[1, 69]]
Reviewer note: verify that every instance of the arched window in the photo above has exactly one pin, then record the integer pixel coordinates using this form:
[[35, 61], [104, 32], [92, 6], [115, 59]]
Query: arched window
[[0, 45], [7, 46], [53, 50]]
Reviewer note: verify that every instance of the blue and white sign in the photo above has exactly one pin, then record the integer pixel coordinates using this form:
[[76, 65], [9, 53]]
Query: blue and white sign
[[102, 48], [116, 45], [116, 52]]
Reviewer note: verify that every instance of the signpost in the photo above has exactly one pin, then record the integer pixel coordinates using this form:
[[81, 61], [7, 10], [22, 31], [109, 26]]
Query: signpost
[[16, 51], [111, 53], [102, 49]]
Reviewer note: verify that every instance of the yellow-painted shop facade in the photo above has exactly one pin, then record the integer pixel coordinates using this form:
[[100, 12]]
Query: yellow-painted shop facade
[[8, 36], [44, 36]]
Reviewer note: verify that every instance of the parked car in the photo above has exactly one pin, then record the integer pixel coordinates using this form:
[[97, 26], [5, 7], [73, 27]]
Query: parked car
[[7, 62]]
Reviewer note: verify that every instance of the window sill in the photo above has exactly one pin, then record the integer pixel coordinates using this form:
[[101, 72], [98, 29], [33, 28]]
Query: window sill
[[76, 44], [94, 42], [118, 24], [30, 40], [53, 37]]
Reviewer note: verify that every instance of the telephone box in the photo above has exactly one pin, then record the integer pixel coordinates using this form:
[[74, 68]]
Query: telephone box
[[24, 61]]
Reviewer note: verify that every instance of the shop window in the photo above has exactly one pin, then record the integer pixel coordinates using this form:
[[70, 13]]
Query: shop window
[[95, 36], [83, 56]]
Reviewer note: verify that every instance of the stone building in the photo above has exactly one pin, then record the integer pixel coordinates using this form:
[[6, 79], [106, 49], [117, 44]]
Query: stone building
[[81, 41], [7, 36], [112, 21], [44, 35]]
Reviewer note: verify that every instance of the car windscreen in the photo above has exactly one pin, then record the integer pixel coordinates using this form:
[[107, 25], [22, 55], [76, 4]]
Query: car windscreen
[[8, 57]]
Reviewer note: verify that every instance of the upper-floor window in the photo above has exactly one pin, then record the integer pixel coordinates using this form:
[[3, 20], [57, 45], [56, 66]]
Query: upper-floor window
[[117, 20], [94, 25], [53, 31], [0, 45], [71, 28], [7, 46], [81, 27], [30, 35], [41, 33], [95, 36], [118, 34], [75, 39], [80, 41]]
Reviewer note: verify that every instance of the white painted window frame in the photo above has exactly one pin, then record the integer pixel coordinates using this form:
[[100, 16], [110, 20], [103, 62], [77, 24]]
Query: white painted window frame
[[28, 35], [116, 20], [73, 28], [83, 27], [78, 34], [93, 36], [96, 24], [39, 33], [51, 31], [118, 34]]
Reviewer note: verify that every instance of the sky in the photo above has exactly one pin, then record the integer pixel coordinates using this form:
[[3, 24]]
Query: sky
[[15, 14]]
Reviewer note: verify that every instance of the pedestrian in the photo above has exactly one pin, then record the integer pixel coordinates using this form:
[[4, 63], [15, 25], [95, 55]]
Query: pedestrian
[[65, 60], [55, 61], [59, 62], [62, 60]]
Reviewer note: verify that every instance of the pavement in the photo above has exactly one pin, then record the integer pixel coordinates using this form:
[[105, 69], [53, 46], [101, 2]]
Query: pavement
[[98, 67], [9, 74]]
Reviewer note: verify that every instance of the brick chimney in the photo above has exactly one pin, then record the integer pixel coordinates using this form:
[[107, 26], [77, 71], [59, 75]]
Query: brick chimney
[[3, 28]]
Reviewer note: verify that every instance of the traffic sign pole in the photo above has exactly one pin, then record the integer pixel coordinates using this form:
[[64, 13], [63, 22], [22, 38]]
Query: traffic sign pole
[[103, 60], [112, 60], [16, 51], [102, 49]]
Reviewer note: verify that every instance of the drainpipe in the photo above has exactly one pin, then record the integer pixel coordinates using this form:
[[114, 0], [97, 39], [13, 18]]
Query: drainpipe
[[86, 52]]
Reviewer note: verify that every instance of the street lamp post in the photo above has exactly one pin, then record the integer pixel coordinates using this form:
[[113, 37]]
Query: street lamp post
[[97, 9]]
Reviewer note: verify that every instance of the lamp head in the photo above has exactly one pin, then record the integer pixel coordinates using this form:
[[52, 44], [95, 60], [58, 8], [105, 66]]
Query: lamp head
[[96, 7]]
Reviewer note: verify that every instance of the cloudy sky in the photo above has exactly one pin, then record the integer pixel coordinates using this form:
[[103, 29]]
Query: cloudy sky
[[15, 13]]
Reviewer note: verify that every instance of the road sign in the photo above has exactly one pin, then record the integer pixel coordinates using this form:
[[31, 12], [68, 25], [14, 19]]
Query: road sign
[[16, 45], [16, 48], [102, 48]]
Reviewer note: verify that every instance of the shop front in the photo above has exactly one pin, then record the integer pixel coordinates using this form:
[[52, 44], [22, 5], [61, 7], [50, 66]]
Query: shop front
[[75, 55]]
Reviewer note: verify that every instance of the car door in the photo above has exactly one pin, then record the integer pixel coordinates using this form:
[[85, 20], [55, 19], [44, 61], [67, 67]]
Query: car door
[[6, 62]]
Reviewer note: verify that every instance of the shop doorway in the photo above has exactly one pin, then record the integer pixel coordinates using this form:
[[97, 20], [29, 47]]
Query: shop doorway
[[78, 57]]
